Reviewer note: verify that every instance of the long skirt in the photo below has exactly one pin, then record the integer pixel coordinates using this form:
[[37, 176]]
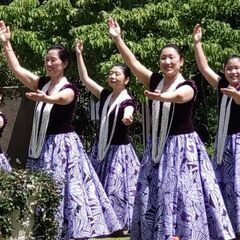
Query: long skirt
[[85, 210], [179, 195], [228, 176], [118, 173], [4, 163]]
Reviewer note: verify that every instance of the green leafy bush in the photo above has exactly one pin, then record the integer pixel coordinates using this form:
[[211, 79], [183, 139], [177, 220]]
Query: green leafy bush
[[24, 192]]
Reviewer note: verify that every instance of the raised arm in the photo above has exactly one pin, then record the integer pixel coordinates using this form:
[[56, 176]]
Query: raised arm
[[29, 79], [140, 71], [201, 59], [92, 86]]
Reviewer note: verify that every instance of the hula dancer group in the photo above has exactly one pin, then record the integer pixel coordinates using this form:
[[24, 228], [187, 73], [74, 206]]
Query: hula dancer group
[[174, 192]]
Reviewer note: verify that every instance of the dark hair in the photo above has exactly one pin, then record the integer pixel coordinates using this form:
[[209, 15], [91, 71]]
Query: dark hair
[[126, 70], [62, 52], [229, 58], [174, 46]]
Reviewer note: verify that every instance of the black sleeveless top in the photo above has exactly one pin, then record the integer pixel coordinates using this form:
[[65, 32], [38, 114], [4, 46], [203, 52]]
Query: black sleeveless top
[[61, 116], [182, 119], [234, 120], [120, 135]]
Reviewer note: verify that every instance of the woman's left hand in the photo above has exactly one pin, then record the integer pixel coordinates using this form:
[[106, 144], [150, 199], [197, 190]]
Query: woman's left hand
[[5, 33], [128, 120], [153, 95], [79, 46], [38, 96], [114, 28], [230, 91]]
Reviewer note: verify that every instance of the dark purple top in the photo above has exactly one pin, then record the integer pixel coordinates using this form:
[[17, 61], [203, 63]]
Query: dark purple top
[[4, 125], [182, 119], [234, 120], [120, 135], [61, 116]]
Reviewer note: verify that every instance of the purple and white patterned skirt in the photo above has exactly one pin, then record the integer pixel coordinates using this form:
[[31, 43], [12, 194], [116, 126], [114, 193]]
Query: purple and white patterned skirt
[[85, 210], [118, 173], [179, 196], [4, 163], [228, 176]]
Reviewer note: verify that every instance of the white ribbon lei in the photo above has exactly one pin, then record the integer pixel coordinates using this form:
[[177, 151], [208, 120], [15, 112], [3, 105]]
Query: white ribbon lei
[[225, 110], [158, 143], [104, 143], [39, 128]]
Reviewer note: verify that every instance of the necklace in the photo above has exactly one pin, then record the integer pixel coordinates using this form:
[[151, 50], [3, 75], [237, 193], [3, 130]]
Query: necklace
[[104, 142], [225, 110], [40, 125], [158, 143]]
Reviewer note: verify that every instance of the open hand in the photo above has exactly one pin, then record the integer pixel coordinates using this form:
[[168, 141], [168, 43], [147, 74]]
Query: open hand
[[5, 33], [79, 46], [153, 95], [38, 96], [229, 91], [197, 33], [114, 28]]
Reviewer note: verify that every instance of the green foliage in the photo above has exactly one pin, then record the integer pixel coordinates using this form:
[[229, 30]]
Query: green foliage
[[147, 25], [20, 191]]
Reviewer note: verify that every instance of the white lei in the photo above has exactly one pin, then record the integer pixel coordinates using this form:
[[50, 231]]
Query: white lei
[[103, 145], [225, 110], [157, 149], [39, 128]]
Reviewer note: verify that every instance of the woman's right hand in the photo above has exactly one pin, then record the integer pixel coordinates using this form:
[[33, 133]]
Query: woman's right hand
[[197, 33], [114, 28], [79, 46], [5, 33]]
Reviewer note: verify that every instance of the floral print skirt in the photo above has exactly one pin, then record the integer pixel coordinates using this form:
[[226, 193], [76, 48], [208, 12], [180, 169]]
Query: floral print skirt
[[118, 173], [179, 195], [228, 176], [85, 211], [4, 164]]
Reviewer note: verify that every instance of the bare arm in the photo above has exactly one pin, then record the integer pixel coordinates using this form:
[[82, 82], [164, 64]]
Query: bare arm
[[28, 78], [140, 71], [182, 94], [202, 63], [92, 86], [63, 97]]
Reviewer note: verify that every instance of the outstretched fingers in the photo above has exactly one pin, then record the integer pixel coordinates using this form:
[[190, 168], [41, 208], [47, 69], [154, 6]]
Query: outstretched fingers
[[197, 33]]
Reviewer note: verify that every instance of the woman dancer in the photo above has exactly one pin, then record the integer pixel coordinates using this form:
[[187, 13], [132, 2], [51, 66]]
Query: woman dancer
[[227, 155], [113, 156], [85, 210], [177, 194]]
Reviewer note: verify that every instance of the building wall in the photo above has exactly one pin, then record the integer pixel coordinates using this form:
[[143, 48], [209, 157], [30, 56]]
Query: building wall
[[10, 109]]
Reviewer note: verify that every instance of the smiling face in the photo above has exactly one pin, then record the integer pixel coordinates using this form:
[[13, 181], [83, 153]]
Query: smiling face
[[170, 61], [117, 78], [53, 64], [232, 71]]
